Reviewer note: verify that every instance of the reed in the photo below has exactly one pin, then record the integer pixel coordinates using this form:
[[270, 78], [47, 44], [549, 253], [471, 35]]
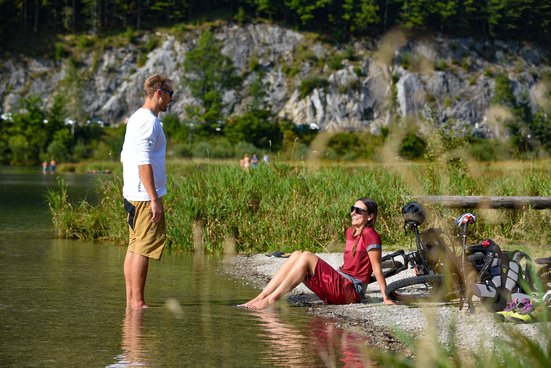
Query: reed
[[286, 206]]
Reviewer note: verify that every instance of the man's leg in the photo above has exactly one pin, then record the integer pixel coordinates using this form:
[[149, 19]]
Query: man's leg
[[127, 263], [135, 272]]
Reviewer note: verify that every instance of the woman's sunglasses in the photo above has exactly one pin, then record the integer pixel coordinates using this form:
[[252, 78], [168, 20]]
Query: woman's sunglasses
[[358, 210]]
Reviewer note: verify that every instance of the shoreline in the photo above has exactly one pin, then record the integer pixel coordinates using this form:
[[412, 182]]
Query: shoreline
[[383, 323]]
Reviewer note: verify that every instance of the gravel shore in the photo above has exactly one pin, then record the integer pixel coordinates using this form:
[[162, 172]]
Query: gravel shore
[[473, 330]]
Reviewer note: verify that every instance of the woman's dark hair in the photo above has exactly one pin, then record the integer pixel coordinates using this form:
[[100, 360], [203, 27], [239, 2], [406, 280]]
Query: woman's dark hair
[[372, 208]]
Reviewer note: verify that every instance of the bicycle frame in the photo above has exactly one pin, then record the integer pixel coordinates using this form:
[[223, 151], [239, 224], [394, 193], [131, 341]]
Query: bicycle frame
[[414, 258]]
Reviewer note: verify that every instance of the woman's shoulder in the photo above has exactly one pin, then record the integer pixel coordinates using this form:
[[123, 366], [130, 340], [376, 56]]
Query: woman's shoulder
[[371, 234]]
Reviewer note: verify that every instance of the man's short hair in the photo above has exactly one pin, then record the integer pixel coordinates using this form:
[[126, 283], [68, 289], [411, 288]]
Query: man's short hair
[[153, 83]]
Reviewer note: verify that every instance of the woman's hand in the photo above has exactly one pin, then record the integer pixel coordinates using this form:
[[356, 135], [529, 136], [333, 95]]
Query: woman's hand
[[375, 258]]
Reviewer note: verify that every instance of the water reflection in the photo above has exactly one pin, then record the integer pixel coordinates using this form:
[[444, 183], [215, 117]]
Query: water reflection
[[290, 346], [338, 347], [133, 354]]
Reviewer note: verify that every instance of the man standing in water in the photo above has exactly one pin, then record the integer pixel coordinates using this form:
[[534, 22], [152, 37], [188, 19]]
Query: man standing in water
[[144, 173]]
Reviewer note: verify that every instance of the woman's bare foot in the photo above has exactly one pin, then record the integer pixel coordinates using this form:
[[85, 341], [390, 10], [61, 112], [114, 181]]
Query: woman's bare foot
[[262, 303], [252, 301]]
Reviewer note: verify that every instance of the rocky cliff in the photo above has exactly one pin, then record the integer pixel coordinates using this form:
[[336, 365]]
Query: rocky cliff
[[365, 83]]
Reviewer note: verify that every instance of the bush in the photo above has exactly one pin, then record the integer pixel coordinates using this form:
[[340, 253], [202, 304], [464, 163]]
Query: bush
[[309, 84], [335, 63], [490, 150], [412, 147], [182, 150]]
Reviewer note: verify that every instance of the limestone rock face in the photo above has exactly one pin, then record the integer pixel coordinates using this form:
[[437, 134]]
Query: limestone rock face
[[453, 79]]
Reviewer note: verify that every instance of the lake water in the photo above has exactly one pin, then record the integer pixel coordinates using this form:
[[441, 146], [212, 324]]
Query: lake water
[[62, 302]]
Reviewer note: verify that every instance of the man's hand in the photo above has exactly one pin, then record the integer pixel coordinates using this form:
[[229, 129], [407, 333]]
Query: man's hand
[[146, 174], [156, 210]]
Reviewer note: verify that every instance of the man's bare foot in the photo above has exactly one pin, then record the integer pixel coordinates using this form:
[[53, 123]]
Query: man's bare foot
[[138, 306]]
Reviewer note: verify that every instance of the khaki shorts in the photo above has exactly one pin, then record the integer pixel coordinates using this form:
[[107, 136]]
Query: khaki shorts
[[146, 238]]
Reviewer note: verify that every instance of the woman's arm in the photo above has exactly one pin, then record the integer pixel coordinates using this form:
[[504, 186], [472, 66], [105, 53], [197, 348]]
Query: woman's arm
[[375, 258]]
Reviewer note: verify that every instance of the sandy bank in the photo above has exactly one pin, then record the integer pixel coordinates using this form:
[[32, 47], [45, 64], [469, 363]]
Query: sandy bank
[[375, 318]]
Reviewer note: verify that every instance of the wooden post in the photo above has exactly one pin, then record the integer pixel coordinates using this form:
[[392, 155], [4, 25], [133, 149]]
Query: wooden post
[[513, 202]]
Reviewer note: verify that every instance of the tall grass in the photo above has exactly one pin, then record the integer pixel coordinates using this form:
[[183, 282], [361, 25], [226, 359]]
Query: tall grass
[[287, 207], [84, 221]]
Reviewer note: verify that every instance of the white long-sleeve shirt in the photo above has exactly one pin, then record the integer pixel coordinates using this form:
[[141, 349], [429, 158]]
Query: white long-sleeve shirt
[[144, 143]]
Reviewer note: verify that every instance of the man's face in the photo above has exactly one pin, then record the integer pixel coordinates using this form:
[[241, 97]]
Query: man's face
[[165, 97]]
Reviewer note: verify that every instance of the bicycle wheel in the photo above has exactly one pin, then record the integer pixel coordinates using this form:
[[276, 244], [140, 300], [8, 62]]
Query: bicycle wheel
[[390, 268], [424, 288]]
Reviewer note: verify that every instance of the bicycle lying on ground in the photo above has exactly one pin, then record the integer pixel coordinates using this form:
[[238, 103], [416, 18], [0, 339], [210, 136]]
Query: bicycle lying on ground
[[440, 274], [443, 275], [424, 259]]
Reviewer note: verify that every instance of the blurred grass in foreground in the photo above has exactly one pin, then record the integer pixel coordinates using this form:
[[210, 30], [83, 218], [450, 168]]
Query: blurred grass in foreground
[[512, 348]]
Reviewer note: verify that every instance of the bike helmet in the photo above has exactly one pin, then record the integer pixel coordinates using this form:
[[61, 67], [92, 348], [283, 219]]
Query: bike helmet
[[414, 212]]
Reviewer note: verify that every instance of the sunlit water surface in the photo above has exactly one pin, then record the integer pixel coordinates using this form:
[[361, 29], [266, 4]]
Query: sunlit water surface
[[62, 302]]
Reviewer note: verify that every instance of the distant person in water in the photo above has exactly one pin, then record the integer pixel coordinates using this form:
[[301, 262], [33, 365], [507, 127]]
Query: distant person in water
[[144, 172], [362, 257], [52, 166], [246, 162], [44, 167], [254, 161]]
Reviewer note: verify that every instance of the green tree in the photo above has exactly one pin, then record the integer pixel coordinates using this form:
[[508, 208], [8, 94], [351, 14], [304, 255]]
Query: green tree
[[19, 149], [358, 15], [255, 127], [208, 73], [29, 123], [412, 146]]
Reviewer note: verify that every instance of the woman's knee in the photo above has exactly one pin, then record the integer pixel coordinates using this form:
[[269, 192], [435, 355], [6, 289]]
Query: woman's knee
[[309, 257]]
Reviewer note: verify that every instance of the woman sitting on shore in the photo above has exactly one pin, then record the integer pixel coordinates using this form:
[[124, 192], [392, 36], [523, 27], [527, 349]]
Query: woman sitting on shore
[[362, 256]]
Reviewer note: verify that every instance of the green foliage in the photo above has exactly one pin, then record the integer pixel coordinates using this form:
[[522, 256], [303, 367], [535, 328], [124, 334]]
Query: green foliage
[[412, 146], [208, 74], [84, 221], [490, 150], [441, 65], [241, 16], [129, 34], [520, 19], [256, 127], [345, 146], [58, 151], [503, 94], [257, 92], [405, 60], [541, 129], [335, 62], [308, 85], [175, 130]]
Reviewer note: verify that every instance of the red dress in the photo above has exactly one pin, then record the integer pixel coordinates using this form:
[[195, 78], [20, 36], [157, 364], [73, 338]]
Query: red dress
[[332, 287]]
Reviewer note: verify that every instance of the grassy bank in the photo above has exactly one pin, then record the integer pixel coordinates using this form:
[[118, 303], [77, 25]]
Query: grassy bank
[[217, 206]]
